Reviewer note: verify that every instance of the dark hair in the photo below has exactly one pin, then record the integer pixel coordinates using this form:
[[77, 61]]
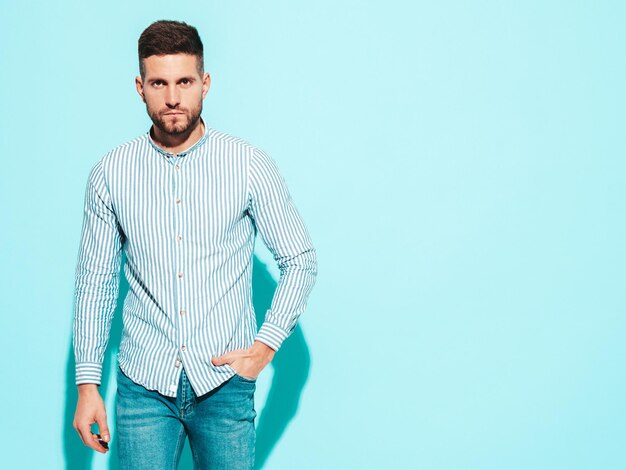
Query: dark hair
[[170, 37]]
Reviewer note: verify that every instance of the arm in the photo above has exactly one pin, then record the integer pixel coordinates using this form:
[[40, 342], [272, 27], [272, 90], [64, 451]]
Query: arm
[[284, 233], [97, 287]]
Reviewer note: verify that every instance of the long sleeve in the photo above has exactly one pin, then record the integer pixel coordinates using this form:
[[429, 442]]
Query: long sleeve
[[186, 225], [284, 233], [97, 279]]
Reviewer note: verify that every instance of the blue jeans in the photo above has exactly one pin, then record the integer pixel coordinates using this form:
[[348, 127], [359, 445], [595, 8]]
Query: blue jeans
[[151, 428]]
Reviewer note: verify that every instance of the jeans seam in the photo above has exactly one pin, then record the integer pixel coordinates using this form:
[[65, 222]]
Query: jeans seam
[[183, 398], [179, 447]]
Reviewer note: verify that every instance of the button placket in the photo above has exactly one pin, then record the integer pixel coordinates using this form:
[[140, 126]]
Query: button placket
[[178, 231]]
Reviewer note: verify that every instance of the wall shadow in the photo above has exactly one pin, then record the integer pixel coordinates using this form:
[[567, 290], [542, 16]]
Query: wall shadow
[[78, 456], [291, 369], [291, 366]]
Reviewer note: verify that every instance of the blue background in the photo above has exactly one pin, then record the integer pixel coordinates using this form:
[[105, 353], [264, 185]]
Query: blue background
[[461, 168]]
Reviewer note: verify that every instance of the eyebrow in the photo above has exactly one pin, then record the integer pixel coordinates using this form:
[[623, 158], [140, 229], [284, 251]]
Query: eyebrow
[[157, 79]]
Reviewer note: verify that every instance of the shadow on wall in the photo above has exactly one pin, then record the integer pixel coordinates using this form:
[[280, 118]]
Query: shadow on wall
[[291, 369]]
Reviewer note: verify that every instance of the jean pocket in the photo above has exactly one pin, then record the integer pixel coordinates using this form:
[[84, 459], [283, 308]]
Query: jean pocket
[[245, 379]]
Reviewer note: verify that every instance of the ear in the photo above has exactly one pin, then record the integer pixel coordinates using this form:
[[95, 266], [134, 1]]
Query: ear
[[139, 86], [206, 84]]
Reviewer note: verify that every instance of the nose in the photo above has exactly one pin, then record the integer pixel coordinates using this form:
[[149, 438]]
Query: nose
[[172, 96]]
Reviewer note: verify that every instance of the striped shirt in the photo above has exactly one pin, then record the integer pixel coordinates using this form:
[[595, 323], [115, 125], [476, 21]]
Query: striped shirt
[[187, 223]]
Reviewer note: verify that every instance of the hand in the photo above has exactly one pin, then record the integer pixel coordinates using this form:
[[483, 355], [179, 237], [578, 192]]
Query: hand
[[90, 409], [247, 362]]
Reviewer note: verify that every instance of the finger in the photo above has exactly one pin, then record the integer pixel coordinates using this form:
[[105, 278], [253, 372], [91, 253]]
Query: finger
[[219, 361], [84, 431], [89, 438], [224, 358], [98, 445], [103, 427], [80, 434], [77, 428]]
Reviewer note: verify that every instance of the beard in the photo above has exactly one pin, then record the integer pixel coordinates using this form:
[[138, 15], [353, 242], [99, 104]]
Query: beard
[[178, 124]]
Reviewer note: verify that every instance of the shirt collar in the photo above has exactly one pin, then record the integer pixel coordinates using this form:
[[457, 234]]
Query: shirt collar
[[184, 152]]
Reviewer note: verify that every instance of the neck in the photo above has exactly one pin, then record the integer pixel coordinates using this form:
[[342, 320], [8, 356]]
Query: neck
[[175, 143]]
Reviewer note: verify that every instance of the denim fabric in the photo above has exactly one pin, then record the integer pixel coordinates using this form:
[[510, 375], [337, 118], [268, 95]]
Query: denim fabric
[[152, 428]]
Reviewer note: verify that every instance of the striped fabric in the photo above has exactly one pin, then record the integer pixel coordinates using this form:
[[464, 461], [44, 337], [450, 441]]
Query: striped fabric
[[187, 223]]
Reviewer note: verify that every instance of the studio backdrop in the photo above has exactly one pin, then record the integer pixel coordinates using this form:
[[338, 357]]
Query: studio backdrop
[[461, 168]]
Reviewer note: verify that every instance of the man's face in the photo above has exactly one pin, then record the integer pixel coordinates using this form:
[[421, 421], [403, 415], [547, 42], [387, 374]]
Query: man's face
[[173, 90]]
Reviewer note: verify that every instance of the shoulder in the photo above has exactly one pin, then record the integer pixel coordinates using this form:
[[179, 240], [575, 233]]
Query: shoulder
[[115, 159], [256, 155], [228, 142], [127, 150]]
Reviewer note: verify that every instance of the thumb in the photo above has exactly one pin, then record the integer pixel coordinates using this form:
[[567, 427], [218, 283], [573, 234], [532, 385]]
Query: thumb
[[103, 428], [221, 360]]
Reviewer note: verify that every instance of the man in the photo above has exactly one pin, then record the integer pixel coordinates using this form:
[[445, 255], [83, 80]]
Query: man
[[184, 202]]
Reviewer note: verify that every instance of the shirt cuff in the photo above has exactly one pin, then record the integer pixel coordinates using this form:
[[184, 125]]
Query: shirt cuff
[[88, 373], [271, 335]]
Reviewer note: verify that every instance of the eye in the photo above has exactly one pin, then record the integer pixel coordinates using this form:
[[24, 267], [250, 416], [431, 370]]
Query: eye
[[157, 83], [186, 82]]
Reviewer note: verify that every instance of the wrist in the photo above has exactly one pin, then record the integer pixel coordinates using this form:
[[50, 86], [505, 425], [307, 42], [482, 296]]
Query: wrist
[[88, 389], [262, 351]]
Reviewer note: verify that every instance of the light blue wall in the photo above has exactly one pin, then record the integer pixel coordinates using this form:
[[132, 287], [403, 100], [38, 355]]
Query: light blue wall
[[461, 166]]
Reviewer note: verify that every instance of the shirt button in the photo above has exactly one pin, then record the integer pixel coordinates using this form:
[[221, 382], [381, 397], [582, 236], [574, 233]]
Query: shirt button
[[177, 201], [183, 348], [177, 364], [179, 237], [180, 274], [177, 167], [182, 312]]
